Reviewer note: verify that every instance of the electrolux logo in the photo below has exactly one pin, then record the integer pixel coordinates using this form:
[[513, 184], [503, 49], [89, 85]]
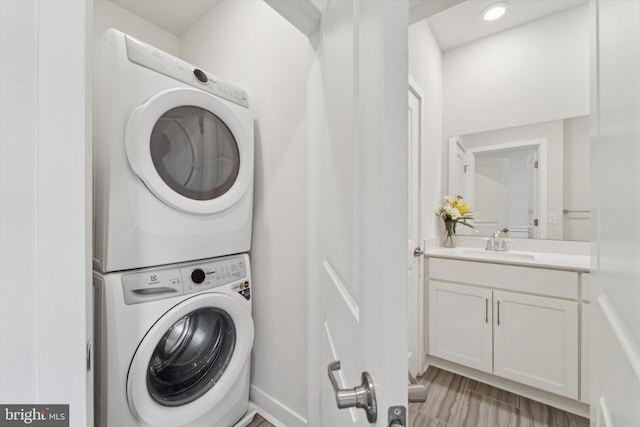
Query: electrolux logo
[[34, 415]]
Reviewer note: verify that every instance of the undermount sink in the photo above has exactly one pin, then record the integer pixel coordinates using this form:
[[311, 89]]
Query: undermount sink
[[481, 253]]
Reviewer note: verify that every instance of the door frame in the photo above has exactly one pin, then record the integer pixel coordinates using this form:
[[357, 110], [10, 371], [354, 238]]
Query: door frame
[[482, 225], [416, 340]]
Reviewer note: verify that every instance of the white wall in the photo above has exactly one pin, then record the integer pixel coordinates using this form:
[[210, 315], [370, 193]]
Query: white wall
[[425, 67], [108, 15], [534, 73], [45, 220], [271, 62]]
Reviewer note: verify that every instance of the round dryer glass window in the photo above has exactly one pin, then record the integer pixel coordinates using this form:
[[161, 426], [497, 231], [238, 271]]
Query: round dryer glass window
[[195, 153], [191, 357]]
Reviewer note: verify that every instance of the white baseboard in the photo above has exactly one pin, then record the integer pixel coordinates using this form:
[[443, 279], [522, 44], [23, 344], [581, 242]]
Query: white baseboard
[[275, 411]]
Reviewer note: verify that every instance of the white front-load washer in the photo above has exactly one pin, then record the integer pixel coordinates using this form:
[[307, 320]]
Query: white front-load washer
[[173, 344], [173, 159]]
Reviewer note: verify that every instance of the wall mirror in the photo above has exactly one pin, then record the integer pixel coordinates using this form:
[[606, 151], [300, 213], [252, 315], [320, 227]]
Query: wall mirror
[[532, 180]]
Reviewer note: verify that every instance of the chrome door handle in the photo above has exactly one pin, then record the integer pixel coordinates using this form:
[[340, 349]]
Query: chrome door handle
[[418, 252], [362, 396]]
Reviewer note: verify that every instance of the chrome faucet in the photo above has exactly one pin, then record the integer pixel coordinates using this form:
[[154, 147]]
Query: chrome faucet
[[497, 243]]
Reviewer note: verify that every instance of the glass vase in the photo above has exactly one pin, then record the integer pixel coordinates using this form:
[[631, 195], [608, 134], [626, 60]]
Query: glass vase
[[447, 239]]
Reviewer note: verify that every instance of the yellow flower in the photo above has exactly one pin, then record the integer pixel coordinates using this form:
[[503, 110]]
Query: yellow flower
[[463, 208]]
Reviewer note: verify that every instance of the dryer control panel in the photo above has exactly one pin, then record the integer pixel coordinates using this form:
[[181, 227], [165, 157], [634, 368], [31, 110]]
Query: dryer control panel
[[152, 284], [154, 59]]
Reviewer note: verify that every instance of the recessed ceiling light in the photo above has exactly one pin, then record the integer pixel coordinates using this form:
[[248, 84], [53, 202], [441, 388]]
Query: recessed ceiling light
[[495, 11]]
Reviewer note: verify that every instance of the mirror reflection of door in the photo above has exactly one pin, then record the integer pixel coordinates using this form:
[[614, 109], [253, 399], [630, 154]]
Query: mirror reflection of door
[[506, 192], [491, 197]]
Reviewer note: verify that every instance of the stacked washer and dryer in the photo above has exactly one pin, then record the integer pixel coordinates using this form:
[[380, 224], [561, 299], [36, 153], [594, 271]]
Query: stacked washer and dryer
[[173, 201]]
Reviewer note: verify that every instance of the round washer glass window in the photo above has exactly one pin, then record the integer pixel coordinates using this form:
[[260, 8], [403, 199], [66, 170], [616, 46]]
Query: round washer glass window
[[191, 357], [195, 153]]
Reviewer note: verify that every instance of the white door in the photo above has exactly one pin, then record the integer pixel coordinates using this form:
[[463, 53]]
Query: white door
[[615, 341], [415, 290], [358, 203], [45, 206], [490, 196]]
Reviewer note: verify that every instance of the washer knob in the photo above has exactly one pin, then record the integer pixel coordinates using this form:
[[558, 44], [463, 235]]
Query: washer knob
[[197, 276]]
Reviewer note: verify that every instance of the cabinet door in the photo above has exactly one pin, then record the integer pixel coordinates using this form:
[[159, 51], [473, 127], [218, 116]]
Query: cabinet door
[[536, 341], [460, 324]]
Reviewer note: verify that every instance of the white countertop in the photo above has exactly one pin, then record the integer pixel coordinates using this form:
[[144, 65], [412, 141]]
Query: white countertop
[[558, 261]]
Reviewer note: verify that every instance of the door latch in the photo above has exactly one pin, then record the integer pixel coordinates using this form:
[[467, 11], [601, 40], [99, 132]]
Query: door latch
[[397, 416], [362, 396]]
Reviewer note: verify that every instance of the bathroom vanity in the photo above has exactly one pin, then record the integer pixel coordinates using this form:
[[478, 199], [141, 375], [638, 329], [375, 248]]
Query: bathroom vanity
[[517, 320]]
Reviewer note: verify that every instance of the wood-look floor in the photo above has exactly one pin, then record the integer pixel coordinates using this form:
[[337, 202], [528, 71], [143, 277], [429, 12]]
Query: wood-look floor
[[258, 421], [457, 401]]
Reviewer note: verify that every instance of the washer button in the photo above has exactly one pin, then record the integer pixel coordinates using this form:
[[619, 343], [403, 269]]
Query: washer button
[[197, 276]]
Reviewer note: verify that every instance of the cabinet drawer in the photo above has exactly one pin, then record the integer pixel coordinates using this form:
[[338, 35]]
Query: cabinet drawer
[[555, 283]]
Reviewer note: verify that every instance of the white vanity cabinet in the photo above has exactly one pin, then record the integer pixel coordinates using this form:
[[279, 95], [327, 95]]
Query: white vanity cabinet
[[535, 341], [460, 324], [518, 323]]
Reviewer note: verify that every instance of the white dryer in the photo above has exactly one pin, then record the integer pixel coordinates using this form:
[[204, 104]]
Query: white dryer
[[173, 159], [173, 345]]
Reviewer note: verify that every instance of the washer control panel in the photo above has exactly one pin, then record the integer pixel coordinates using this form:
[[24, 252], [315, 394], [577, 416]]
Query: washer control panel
[[152, 284], [199, 277]]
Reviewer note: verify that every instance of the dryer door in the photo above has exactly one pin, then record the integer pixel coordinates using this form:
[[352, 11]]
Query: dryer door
[[189, 360], [190, 150]]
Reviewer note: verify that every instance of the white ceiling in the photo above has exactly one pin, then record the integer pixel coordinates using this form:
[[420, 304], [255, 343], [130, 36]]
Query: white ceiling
[[458, 24], [463, 22], [175, 16]]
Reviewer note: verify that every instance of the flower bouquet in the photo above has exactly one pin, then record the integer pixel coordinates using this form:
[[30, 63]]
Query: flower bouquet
[[453, 211]]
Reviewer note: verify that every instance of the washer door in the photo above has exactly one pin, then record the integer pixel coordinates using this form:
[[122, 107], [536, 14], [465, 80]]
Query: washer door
[[189, 360], [190, 150]]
